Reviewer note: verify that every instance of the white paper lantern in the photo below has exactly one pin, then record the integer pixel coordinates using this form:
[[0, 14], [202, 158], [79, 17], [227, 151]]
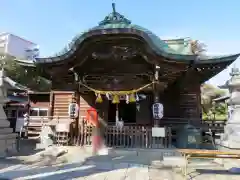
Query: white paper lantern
[[157, 110]]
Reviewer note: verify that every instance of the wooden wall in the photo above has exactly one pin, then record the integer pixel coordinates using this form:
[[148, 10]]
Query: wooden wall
[[178, 102], [60, 102], [183, 102]]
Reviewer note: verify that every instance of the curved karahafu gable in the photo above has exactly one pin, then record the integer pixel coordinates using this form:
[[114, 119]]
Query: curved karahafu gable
[[117, 26], [116, 23]]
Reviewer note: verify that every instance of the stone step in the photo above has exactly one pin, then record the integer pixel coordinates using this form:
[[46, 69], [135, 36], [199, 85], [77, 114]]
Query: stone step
[[4, 123], [6, 130], [8, 136]]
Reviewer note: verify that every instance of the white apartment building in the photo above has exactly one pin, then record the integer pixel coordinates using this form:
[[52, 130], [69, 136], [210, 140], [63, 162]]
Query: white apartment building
[[16, 46]]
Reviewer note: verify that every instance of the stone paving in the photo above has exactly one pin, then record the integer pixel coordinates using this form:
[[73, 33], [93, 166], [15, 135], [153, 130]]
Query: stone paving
[[116, 167], [107, 170]]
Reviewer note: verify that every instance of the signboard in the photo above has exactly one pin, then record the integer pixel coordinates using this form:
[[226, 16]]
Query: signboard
[[157, 109], [62, 127], [158, 132]]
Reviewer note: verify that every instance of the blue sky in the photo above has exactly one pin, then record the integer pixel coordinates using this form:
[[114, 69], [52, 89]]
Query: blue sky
[[53, 23]]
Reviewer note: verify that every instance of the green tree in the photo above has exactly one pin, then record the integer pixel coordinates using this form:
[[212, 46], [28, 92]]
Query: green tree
[[27, 77], [208, 93]]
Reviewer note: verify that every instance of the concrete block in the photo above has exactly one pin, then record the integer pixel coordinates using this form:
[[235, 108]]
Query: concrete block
[[122, 152], [174, 161], [40, 146]]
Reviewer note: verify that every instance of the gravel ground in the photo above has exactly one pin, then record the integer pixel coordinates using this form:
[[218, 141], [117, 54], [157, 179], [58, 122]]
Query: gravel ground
[[77, 163]]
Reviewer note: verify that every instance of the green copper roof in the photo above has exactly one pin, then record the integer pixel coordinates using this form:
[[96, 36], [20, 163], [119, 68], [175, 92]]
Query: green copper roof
[[180, 46], [115, 23]]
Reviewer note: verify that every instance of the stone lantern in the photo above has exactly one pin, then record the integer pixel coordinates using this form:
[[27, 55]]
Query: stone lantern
[[7, 138], [3, 100], [231, 136]]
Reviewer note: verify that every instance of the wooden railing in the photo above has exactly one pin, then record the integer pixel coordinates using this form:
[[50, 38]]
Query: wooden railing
[[132, 135], [40, 120], [192, 121], [214, 125], [36, 122], [127, 137]]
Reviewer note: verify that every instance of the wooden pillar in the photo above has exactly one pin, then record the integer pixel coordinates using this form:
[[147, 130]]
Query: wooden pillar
[[156, 93], [51, 104], [75, 99]]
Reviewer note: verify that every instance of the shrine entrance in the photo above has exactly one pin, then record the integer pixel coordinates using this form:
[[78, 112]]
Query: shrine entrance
[[126, 112]]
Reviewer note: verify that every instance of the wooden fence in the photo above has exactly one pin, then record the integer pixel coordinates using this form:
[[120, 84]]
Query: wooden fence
[[132, 136]]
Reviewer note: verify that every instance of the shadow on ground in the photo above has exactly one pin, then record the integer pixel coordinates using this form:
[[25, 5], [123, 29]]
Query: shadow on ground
[[92, 166], [117, 165], [222, 172]]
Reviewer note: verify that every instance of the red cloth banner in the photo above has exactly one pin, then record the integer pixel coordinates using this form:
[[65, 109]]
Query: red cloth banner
[[92, 116]]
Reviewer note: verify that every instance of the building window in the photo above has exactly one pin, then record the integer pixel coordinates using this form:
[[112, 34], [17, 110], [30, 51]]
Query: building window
[[2, 49], [2, 45], [13, 113], [3, 38], [43, 112], [21, 113], [34, 112], [38, 112]]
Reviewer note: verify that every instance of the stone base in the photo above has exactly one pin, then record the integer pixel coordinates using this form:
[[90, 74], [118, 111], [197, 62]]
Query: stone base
[[4, 123], [7, 137], [231, 137], [7, 144], [41, 146], [174, 161]]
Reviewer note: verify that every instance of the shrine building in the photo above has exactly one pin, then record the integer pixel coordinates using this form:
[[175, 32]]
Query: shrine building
[[122, 69]]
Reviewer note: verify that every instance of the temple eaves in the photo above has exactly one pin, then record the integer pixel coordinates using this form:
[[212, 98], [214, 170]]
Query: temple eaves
[[115, 23]]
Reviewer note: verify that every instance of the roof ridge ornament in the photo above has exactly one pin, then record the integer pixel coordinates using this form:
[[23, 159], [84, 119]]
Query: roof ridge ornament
[[113, 7], [114, 18]]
